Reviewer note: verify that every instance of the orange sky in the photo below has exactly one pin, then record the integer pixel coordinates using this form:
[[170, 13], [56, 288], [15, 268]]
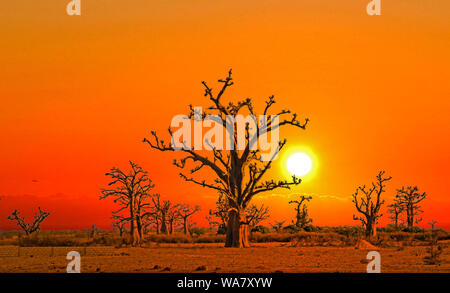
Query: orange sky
[[78, 94]]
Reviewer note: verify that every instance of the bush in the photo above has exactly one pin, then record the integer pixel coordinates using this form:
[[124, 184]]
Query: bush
[[271, 237], [414, 230], [165, 238], [261, 229], [291, 229], [210, 239], [199, 230], [46, 241], [222, 229]]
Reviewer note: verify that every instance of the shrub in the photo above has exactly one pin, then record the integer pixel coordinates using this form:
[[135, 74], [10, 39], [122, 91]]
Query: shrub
[[261, 229], [199, 230], [291, 229], [46, 241]]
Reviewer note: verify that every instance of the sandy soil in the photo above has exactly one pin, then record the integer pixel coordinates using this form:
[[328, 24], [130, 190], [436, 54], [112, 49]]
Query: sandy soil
[[267, 257]]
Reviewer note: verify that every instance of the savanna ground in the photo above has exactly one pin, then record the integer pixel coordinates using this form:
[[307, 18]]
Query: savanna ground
[[303, 252]]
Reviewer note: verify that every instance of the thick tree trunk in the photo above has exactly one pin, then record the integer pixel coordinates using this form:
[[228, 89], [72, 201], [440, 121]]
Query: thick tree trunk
[[371, 229], [135, 236], [158, 229], [409, 217], [237, 230], [170, 227], [134, 232], [186, 227], [163, 225]]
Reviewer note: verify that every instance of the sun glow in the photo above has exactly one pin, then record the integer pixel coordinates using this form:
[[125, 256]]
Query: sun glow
[[299, 164]]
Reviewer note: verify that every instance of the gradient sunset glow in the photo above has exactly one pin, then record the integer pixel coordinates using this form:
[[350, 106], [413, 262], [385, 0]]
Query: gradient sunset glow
[[80, 93]]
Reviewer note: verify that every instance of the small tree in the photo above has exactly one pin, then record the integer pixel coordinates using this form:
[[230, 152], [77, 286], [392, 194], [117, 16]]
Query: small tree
[[253, 215], [395, 210], [93, 232], [29, 228], [368, 203], [119, 225], [131, 191], [173, 217], [409, 198], [277, 226], [256, 215], [302, 218], [221, 212], [185, 213], [161, 209]]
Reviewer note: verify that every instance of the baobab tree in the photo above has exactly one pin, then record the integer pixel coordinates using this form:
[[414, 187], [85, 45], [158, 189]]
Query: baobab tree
[[173, 216], [35, 226], [162, 209], [368, 203], [409, 198], [395, 210], [185, 213], [302, 218], [131, 191], [237, 171], [221, 212]]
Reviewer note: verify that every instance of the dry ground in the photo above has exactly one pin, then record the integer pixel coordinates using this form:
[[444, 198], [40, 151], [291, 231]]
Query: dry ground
[[264, 257]]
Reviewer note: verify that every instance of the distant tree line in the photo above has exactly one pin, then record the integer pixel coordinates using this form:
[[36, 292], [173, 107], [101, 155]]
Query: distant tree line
[[140, 209]]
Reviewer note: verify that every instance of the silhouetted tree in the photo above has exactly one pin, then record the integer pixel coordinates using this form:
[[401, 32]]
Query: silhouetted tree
[[119, 224], [432, 224], [368, 203], [221, 212], [93, 232], [238, 171], [256, 215], [173, 217], [131, 191], [409, 198], [185, 213], [35, 226], [162, 208], [277, 226], [302, 218], [395, 210]]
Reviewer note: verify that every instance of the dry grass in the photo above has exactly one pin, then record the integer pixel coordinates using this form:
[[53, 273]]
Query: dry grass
[[262, 257]]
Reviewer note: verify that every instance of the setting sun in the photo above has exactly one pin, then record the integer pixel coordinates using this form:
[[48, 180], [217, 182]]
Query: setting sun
[[299, 164]]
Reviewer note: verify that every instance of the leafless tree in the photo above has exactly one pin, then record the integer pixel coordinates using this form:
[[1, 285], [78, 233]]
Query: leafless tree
[[368, 203], [409, 198], [256, 215], [35, 226], [221, 212], [277, 226], [238, 172], [162, 208], [185, 213], [119, 223], [93, 232], [173, 216], [432, 224], [302, 218], [395, 210], [131, 191]]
